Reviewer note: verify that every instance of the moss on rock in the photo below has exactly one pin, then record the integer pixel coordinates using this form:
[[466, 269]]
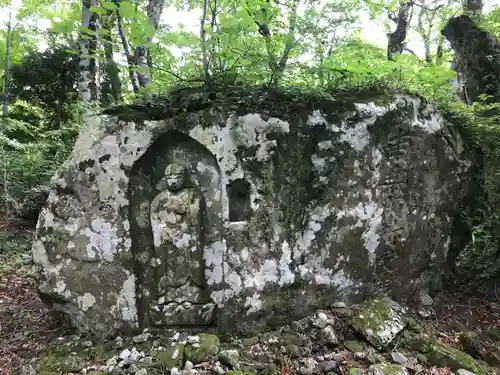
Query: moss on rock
[[379, 321], [172, 356], [441, 355], [356, 371], [387, 369], [207, 349], [355, 346]]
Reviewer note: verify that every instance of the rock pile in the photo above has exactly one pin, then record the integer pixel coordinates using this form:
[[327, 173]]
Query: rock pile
[[379, 337]]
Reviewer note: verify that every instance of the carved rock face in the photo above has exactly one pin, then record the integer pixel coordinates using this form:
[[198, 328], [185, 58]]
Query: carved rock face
[[276, 215]]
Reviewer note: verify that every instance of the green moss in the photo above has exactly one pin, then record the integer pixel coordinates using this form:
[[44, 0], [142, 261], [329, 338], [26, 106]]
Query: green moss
[[493, 333], [389, 369], [208, 349], [356, 371], [445, 356], [173, 356], [269, 370], [58, 358], [355, 346], [471, 343], [373, 316]]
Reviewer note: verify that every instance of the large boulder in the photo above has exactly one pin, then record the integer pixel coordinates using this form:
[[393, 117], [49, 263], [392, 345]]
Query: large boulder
[[248, 210]]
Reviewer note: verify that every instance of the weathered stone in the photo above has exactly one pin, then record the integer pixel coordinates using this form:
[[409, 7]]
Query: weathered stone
[[172, 356], [328, 366], [441, 355], [464, 372], [206, 350], [73, 363], [399, 358], [471, 343], [253, 211], [229, 358], [424, 298], [355, 346], [387, 369], [379, 321], [26, 370]]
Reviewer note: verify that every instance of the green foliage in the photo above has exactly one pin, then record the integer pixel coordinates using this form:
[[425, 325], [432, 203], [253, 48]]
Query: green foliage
[[27, 165], [47, 81]]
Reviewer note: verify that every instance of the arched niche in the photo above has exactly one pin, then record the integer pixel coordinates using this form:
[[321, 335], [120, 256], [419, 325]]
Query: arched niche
[[238, 194], [147, 176]]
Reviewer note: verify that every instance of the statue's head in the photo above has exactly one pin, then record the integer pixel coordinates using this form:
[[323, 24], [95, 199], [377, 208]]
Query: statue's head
[[175, 175]]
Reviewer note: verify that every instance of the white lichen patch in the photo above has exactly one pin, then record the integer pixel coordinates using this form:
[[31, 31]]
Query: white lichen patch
[[103, 240], [369, 215], [126, 302], [214, 262], [86, 301]]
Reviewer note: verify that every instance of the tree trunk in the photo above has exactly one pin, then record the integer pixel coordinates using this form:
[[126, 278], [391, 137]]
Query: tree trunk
[[141, 53], [396, 39], [204, 52], [5, 94], [111, 85], [477, 59], [126, 49], [88, 88]]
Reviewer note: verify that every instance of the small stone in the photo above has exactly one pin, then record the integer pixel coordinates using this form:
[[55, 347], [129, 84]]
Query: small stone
[[27, 370], [143, 337], [424, 298], [124, 354], [174, 371], [172, 357], [329, 336], [132, 369], [328, 366], [464, 372], [424, 313], [387, 369], [87, 344], [339, 305], [218, 370], [230, 358], [118, 343], [133, 356], [188, 366], [399, 358], [206, 349], [147, 360], [112, 362], [379, 321], [320, 320], [193, 339]]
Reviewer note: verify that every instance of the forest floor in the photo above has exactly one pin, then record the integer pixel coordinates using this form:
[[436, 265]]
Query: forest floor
[[27, 326]]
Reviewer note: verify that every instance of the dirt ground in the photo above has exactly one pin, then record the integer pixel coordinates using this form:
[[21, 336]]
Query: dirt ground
[[26, 326]]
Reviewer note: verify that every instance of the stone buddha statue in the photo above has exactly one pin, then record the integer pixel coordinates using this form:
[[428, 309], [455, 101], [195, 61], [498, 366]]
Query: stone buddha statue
[[175, 214]]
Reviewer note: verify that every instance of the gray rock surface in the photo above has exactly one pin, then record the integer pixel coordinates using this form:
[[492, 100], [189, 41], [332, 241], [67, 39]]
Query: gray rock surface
[[247, 211]]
